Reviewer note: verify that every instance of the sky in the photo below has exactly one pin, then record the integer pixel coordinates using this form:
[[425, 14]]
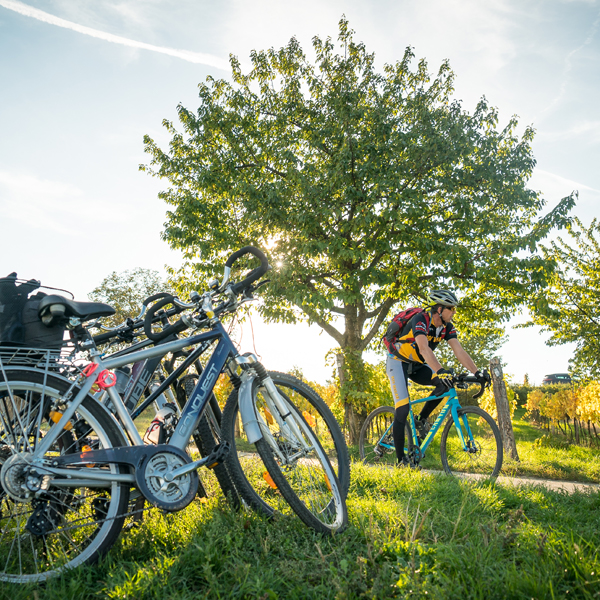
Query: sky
[[81, 83]]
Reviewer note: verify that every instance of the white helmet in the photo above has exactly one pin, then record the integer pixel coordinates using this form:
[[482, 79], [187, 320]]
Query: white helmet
[[443, 297]]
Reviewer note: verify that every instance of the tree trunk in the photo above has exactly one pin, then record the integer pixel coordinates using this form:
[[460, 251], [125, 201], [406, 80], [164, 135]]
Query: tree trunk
[[353, 418], [504, 420]]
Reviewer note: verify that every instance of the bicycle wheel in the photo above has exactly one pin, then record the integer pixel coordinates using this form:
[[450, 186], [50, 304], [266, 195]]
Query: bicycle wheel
[[483, 452], [376, 440], [251, 475], [206, 437], [60, 526]]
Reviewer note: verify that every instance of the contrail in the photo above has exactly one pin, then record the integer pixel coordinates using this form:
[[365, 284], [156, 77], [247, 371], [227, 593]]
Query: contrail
[[40, 15]]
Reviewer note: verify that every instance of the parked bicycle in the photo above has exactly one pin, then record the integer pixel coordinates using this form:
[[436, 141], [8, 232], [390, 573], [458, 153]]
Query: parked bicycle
[[470, 440], [68, 466], [252, 482]]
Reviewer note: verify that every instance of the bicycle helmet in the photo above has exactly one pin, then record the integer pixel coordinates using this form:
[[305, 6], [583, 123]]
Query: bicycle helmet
[[443, 297]]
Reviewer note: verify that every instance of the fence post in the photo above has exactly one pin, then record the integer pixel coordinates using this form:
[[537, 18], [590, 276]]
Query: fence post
[[504, 420]]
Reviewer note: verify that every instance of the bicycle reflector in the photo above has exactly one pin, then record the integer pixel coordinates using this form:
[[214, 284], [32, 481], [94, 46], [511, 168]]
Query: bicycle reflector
[[309, 419], [267, 477]]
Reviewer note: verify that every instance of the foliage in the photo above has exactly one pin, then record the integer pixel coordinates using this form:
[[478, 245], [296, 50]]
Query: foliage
[[534, 401], [481, 341], [125, 291], [561, 405], [588, 408], [568, 308], [488, 401], [522, 391], [367, 189]]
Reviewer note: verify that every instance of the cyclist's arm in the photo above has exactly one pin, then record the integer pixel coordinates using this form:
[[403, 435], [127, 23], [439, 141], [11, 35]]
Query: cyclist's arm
[[427, 353], [462, 356]]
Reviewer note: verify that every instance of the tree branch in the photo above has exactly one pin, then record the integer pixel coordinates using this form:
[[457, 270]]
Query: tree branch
[[324, 325], [383, 312]]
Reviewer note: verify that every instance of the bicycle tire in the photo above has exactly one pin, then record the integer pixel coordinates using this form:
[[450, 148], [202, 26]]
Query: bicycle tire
[[246, 466], [486, 456], [206, 436], [308, 483], [372, 432], [66, 526]]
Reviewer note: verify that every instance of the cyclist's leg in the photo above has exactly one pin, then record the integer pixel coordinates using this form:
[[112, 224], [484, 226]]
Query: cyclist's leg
[[396, 372], [423, 375]]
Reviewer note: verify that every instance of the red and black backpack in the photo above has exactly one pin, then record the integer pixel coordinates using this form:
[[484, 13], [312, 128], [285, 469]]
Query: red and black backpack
[[397, 325]]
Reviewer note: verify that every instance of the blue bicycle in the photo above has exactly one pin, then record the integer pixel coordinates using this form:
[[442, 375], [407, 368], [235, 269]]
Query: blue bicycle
[[470, 441]]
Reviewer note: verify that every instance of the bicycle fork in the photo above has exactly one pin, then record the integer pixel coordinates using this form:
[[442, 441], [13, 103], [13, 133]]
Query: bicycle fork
[[254, 425]]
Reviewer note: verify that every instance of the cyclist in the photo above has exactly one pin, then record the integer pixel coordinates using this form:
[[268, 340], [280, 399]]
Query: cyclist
[[411, 357]]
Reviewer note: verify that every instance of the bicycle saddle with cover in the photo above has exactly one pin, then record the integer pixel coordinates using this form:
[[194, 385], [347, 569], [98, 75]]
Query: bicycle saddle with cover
[[54, 308]]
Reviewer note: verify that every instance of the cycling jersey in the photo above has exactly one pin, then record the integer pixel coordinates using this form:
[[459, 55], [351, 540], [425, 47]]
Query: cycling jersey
[[406, 344]]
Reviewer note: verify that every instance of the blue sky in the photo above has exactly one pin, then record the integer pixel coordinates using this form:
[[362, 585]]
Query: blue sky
[[82, 81]]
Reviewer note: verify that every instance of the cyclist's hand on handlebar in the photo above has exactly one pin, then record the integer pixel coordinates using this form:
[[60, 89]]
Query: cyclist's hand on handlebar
[[482, 376], [445, 378]]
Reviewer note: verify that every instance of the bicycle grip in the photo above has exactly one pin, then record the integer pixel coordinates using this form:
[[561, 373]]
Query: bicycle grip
[[170, 329], [156, 297], [102, 338], [255, 274]]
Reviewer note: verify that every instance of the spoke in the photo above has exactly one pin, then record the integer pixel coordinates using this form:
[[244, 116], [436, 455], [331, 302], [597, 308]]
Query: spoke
[[34, 554], [13, 542]]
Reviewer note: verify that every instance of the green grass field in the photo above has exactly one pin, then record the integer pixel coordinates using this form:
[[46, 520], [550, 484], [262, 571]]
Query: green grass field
[[411, 535]]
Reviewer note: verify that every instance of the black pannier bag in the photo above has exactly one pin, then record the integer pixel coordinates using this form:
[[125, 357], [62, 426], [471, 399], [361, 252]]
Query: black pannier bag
[[20, 324]]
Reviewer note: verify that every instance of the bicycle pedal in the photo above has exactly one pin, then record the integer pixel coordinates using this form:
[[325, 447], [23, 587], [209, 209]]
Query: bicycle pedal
[[218, 455]]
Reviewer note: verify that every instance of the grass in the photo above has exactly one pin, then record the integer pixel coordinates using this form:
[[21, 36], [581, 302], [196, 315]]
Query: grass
[[552, 459], [411, 535]]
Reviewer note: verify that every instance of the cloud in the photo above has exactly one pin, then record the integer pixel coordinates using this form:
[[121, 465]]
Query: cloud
[[567, 70], [45, 204], [555, 185], [589, 130], [40, 15]]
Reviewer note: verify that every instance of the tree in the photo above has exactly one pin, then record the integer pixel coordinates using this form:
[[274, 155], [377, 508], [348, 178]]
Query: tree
[[126, 291], [367, 188], [481, 341], [568, 308]]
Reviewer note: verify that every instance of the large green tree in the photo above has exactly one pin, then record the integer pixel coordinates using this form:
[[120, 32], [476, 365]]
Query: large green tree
[[568, 308], [125, 292], [367, 187]]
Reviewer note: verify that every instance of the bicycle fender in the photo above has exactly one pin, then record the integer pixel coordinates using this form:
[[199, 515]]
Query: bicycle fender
[[247, 410]]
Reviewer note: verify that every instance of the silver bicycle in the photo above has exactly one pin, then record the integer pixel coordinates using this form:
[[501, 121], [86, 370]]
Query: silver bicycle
[[68, 465]]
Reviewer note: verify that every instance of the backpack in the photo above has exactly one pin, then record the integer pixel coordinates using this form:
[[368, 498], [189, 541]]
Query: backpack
[[397, 325]]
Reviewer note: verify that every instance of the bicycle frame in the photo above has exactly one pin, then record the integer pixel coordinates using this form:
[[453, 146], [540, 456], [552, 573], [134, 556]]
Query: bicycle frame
[[192, 411], [452, 406]]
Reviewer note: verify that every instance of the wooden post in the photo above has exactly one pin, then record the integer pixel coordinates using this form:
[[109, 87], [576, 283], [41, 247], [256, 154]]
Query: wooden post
[[504, 420]]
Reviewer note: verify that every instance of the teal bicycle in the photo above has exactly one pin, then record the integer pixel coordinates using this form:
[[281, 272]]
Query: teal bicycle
[[470, 440]]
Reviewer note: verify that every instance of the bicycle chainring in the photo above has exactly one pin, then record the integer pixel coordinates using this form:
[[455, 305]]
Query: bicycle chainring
[[415, 455], [167, 495]]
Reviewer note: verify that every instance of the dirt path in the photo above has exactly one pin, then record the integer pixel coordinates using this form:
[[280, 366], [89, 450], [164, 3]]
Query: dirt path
[[551, 484]]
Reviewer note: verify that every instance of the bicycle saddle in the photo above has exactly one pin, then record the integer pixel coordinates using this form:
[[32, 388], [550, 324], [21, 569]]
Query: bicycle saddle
[[54, 308]]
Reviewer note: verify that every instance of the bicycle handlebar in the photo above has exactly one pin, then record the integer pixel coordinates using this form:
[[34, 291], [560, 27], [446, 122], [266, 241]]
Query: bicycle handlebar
[[163, 299], [255, 274], [177, 327], [472, 379]]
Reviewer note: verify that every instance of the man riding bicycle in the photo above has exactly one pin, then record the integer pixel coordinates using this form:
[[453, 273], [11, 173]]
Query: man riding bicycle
[[411, 357]]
